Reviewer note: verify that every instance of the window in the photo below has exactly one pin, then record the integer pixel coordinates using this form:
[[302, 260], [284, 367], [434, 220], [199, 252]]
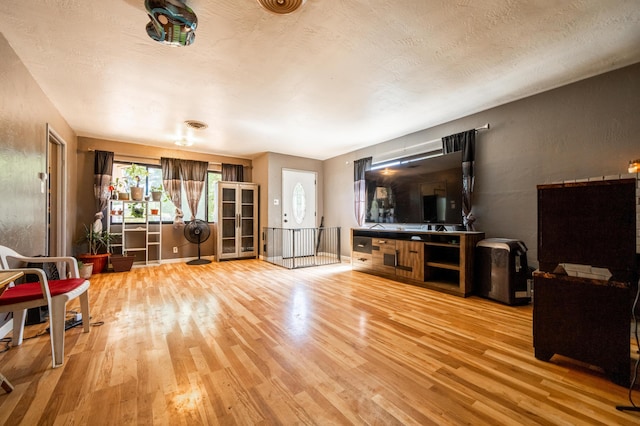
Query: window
[[206, 206]]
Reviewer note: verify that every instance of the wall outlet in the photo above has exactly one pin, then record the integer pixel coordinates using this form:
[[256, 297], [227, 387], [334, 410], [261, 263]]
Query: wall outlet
[[175, 249]]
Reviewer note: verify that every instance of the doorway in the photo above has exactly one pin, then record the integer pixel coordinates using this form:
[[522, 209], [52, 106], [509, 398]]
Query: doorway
[[55, 183], [298, 212]]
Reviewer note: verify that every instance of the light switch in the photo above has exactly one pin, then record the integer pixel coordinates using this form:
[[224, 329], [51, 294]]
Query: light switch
[[276, 202]]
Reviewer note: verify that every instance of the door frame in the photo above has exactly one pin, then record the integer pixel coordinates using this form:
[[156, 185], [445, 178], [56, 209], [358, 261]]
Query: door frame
[[315, 193], [300, 244], [53, 138]]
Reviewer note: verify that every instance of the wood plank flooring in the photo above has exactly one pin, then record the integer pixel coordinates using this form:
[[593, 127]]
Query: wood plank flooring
[[246, 342]]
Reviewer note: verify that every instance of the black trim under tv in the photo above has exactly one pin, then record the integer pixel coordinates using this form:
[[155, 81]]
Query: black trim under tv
[[416, 191]]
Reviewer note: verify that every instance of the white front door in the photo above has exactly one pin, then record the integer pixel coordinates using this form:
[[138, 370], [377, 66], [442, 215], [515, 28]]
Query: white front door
[[298, 212]]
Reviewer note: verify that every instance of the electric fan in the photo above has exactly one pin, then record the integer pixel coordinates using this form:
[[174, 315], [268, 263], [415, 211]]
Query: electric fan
[[197, 231]]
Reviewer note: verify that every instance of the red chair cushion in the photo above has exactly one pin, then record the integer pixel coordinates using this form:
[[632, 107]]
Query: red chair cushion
[[33, 291]]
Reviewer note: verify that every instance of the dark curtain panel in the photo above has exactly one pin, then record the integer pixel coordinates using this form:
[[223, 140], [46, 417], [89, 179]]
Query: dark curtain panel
[[360, 189], [172, 186], [102, 170], [194, 175], [232, 173], [465, 142]]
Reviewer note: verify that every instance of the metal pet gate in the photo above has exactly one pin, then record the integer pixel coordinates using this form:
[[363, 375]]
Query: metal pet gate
[[301, 247]]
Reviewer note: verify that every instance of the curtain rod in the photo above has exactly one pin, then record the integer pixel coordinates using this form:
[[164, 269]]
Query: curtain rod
[[147, 159], [402, 152], [477, 129]]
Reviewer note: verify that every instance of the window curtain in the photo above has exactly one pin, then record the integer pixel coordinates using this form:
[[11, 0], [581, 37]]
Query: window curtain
[[232, 173], [172, 186], [465, 142], [194, 175], [360, 189], [102, 170]]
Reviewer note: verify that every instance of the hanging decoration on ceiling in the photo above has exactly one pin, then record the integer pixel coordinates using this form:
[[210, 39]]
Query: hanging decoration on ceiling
[[281, 7], [172, 22]]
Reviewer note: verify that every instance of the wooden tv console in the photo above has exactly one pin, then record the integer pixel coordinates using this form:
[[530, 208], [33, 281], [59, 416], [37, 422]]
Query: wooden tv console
[[437, 260]]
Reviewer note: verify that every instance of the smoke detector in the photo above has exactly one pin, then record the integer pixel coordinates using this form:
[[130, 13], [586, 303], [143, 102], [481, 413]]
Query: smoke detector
[[281, 7]]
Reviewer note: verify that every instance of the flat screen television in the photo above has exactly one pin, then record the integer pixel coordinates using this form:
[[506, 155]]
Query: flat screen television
[[416, 191]]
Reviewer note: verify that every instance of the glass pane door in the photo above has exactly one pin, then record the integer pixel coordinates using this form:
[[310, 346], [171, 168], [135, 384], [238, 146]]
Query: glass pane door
[[228, 220], [247, 243]]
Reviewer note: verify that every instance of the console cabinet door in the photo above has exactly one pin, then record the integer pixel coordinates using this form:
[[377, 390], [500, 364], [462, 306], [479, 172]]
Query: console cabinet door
[[361, 253], [384, 256], [410, 260]]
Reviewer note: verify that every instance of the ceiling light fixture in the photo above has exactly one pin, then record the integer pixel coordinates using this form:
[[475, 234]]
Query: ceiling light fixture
[[184, 142], [281, 7], [172, 22]]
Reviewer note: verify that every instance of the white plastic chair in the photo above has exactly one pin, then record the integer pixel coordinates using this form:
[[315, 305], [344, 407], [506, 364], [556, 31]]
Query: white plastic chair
[[52, 293]]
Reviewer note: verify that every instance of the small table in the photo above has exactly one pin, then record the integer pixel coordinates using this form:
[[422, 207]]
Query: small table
[[5, 278]]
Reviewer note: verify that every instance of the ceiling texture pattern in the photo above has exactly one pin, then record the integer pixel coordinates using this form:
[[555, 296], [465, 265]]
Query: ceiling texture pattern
[[329, 78]]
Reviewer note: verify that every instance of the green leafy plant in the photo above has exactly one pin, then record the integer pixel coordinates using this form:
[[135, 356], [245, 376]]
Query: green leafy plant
[[119, 185], [137, 210], [97, 240], [157, 188], [134, 174]]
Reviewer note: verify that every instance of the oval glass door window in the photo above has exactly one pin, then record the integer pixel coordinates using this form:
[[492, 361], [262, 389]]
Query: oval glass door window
[[299, 202]]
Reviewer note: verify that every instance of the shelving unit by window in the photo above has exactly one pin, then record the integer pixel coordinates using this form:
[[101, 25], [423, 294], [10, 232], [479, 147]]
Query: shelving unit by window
[[137, 227]]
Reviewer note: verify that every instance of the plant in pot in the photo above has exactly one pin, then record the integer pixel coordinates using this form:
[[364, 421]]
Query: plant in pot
[[156, 192], [85, 269], [136, 210], [98, 243], [134, 174], [122, 262], [121, 189]]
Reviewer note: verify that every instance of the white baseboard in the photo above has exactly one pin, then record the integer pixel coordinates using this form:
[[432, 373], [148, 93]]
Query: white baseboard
[[186, 259]]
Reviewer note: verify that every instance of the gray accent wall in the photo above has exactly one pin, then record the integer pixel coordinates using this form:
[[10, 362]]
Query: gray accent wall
[[586, 129]]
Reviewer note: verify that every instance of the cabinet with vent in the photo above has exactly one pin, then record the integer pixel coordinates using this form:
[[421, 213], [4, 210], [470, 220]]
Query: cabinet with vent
[[236, 220]]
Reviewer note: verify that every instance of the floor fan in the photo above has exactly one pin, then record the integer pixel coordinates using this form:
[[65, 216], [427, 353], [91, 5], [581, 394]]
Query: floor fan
[[197, 231]]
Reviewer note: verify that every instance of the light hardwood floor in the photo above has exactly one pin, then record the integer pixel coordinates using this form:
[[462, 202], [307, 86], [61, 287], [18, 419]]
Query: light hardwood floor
[[246, 342]]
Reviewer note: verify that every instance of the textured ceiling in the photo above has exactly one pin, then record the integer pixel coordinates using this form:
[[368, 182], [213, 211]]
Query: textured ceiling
[[335, 76]]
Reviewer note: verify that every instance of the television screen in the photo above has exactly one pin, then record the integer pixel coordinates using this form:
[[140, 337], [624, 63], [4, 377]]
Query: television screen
[[416, 191]]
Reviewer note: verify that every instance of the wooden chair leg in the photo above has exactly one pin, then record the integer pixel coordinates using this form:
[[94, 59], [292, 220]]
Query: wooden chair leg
[[6, 385]]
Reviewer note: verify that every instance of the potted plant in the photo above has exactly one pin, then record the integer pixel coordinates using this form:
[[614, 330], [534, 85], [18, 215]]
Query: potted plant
[[156, 192], [121, 189], [122, 262], [85, 269], [98, 243], [136, 210], [134, 174]]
